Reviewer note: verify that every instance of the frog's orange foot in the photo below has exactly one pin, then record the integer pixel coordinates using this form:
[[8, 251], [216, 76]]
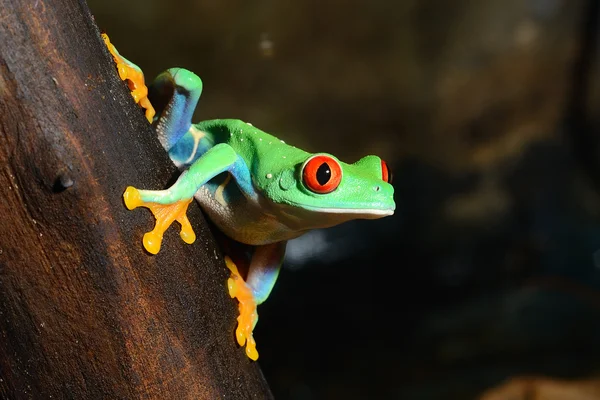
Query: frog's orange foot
[[134, 77], [247, 307], [165, 214]]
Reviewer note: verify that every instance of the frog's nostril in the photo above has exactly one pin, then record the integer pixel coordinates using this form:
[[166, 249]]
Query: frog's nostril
[[377, 188]]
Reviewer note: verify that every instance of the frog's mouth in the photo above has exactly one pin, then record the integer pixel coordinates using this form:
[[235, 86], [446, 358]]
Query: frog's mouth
[[365, 212]]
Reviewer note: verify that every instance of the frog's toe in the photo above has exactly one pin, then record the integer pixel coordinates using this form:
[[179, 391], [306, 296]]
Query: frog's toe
[[152, 241], [187, 233], [150, 112], [243, 332], [251, 351], [232, 286], [122, 70], [132, 198]]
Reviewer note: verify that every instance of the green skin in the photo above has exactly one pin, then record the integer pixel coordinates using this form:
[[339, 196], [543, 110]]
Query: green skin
[[251, 184]]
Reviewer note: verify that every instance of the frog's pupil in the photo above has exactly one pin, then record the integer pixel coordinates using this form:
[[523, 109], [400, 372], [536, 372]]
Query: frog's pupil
[[323, 174]]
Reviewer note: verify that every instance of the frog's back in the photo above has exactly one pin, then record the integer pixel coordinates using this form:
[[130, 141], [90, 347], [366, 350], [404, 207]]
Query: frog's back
[[201, 137], [247, 141]]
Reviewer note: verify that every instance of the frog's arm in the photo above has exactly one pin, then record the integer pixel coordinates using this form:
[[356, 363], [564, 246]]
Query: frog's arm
[[171, 204], [262, 274]]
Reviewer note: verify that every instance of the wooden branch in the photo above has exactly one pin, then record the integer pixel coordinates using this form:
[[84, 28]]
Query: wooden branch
[[85, 312]]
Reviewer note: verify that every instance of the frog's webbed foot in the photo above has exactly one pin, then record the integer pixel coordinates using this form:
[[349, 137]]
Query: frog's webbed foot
[[135, 79], [247, 306], [165, 214]]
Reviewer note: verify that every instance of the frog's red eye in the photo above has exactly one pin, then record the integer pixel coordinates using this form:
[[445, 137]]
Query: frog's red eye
[[386, 173], [322, 174]]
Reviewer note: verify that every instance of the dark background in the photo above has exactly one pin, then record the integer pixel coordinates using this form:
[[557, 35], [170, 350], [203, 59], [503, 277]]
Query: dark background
[[488, 113]]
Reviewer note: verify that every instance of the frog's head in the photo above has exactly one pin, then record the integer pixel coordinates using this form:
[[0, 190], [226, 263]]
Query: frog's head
[[323, 191]]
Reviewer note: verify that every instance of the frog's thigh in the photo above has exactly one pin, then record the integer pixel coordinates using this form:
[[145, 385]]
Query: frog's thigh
[[264, 269]]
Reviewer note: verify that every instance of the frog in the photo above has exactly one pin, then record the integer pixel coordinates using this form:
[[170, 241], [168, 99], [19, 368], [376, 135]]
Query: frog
[[255, 188]]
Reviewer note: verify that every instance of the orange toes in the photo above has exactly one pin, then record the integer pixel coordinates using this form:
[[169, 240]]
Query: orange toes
[[247, 307]]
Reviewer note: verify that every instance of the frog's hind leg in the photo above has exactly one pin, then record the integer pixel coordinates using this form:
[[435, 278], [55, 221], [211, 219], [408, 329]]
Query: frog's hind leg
[[262, 274], [175, 93]]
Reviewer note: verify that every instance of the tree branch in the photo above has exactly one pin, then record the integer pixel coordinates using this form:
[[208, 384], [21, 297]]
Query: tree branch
[[85, 312]]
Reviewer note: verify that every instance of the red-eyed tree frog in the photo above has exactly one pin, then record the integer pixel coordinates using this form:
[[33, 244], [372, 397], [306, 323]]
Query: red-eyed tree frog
[[256, 189]]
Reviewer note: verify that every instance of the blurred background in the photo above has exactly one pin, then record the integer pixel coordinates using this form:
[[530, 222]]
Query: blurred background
[[485, 284]]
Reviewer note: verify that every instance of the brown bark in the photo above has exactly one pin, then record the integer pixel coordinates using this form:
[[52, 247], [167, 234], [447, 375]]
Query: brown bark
[[85, 312]]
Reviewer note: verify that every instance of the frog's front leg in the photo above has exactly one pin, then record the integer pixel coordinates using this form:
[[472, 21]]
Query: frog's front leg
[[171, 204], [262, 274]]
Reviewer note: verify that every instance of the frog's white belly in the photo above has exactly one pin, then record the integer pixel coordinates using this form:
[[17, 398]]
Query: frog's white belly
[[244, 220]]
